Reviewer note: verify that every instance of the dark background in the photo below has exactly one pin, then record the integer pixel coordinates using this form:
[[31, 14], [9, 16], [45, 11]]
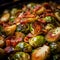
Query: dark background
[[7, 1]]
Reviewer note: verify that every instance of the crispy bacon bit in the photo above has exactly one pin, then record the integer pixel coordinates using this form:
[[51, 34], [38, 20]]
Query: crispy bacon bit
[[26, 39], [36, 8], [29, 16], [8, 42], [13, 43], [9, 49], [42, 21]]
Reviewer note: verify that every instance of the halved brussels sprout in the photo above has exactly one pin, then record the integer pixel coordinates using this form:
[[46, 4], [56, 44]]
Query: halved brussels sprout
[[41, 53], [53, 35], [22, 46], [37, 41], [5, 17], [20, 56], [10, 29], [1, 41]]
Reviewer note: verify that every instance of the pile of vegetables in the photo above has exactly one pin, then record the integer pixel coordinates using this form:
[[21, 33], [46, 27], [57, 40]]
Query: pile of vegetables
[[31, 32]]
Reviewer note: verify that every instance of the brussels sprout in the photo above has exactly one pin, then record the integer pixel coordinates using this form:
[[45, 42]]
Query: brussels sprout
[[49, 26], [2, 51], [13, 11], [10, 29], [22, 46], [2, 54], [37, 41], [49, 19], [57, 16], [41, 53], [1, 29], [20, 56], [56, 57], [41, 10], [19, 35], [55, 47], [1, 41], [12, 18], [23, 28], [53, 35], [5, 17], [31, 5]]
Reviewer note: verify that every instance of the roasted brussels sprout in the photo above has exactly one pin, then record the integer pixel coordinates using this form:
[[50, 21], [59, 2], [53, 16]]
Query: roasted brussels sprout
[[55, 47], [49, 27], [23, 28], [13, 11], [19, 35], [53, 35], [1, 29], [37, 41], [56, 57], [41, 53], [12, 18], [57, 16], [2, 54], [22, 46], [20, 56], [2, 51], [49, 19], [10, 29], [5, 17], [31, 5], [1, 41]]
